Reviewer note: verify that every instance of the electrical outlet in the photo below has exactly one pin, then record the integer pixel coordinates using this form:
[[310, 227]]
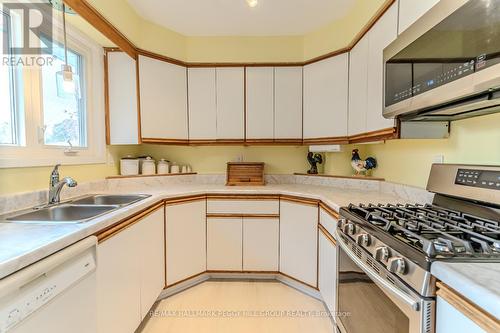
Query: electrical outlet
[[239, 158], [438, 159]]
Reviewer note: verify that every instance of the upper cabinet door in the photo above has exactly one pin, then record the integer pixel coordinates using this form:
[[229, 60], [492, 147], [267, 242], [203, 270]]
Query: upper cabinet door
[[380, 36], [288, 103], [230, 89], [260, 102], [123, 111], [202, 104], [358, 87], [325, 98], [411, 10], [163, 88]]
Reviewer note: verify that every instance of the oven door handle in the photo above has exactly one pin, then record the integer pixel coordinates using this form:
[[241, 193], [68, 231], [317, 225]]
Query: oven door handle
[[406, 298]]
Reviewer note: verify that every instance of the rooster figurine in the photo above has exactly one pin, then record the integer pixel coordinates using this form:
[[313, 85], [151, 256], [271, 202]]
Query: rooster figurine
[[361, 166], [313, 160]]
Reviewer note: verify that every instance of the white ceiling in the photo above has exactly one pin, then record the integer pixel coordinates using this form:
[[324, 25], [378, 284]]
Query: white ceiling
[[236, 18]]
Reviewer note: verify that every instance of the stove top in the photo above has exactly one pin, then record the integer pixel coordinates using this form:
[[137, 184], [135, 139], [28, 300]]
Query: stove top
[[437, 232]]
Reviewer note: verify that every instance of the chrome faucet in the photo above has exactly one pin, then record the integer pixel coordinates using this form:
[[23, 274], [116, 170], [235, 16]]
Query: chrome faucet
[[56, 185]]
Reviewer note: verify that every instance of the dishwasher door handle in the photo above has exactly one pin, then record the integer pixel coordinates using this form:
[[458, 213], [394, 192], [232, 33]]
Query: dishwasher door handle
[[21, 278]]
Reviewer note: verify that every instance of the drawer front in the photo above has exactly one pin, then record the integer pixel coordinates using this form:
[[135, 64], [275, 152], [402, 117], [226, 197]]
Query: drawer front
[[242, 206]]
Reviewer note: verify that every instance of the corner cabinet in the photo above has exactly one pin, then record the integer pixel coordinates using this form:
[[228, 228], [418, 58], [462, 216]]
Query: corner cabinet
[[299, 241], [185, 236], [122, 107], [130, 274], [366, 77], [163, 100], [326, 100]]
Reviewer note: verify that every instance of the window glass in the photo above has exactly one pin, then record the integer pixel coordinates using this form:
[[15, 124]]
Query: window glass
[[64, 117], [8, 131]]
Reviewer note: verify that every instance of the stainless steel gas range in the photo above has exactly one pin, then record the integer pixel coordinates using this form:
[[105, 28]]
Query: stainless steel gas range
[[385, 251]]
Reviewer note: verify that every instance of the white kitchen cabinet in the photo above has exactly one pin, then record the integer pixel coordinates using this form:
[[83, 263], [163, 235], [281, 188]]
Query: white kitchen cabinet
[[202, 104], [224, 244], [230, 89], [358, 86], [163, 99], [260, 244], [327, 271], [151, 258], [130, 274], [451, 320], [298, 241], [326, 97], [185, 230], [411, 10], [288, 102], [123, 124], [260, 102], [380, 36]]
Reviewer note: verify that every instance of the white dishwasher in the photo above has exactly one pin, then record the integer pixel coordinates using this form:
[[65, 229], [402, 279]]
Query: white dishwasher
[[54, 295]]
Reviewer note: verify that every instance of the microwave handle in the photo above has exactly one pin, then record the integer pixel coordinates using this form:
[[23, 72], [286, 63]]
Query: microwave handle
[[414, 304]]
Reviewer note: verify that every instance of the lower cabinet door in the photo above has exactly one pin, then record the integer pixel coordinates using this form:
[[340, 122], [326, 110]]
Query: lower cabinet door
[[152, 258], [299, 241], [260, 244], [327, 270], [451, 320], [185, 225], [224, 244], [118, 283]]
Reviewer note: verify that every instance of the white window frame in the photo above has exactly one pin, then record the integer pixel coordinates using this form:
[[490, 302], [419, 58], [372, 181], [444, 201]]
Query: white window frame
[[34, 152]]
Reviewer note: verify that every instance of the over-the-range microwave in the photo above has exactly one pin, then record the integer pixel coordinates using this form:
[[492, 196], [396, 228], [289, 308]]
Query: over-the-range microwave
[[446, 66]]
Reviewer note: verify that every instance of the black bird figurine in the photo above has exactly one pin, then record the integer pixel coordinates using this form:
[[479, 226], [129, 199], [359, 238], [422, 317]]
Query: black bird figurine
[[314, 159], [360, 165]]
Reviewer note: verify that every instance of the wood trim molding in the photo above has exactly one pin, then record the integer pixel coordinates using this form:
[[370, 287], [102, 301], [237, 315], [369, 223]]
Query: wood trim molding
[[155, 175], [246, 216], [107, 124], [341, 177], [329, 210], [299, 281], [243, 196], [91, 15], [184, 199], [166, 141], [327, 234], [116, 228], [379, 135], [472, 311], [183, 280], [300, 200]]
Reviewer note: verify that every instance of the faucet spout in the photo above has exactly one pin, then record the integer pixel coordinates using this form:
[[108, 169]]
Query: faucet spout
[[56, 185]]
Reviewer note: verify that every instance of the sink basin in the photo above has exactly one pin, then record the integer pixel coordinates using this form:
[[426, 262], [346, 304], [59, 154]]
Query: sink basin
[[104, 199], [65, 213]]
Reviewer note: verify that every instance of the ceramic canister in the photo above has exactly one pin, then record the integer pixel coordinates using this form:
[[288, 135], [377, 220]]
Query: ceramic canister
[[148, 166], [163, 167], [129, 166]]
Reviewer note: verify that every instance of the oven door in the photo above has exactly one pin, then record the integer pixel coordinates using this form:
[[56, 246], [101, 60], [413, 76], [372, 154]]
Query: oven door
[[371, 299]]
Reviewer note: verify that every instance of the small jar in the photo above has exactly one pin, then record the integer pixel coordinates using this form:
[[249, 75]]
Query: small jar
[[175, 168], [148, 166], [129, 166], [163, 167]]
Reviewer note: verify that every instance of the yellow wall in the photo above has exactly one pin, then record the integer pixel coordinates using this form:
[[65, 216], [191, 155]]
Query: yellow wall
[[472, 141], [207, 159], [13, 180]]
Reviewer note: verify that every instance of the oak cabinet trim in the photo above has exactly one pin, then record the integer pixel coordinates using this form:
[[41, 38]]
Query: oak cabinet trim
[[469, 309]]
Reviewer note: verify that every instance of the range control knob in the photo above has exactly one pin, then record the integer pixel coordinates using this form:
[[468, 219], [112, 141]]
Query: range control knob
[[363, 239], [382, 253], [341, 223], [396, 265], [349, 228]]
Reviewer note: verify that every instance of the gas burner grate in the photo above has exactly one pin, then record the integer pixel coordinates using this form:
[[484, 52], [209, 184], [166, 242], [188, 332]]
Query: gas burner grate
[[434, 230]]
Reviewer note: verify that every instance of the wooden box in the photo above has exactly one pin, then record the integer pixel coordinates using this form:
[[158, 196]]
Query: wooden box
[[245, 173]]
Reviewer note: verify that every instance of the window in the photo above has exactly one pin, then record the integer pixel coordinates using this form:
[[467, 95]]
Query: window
[[40, 122], [64, 120], [8, 132]]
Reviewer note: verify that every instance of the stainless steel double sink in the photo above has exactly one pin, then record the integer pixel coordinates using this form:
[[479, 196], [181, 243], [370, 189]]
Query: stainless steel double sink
[[76, 211]]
